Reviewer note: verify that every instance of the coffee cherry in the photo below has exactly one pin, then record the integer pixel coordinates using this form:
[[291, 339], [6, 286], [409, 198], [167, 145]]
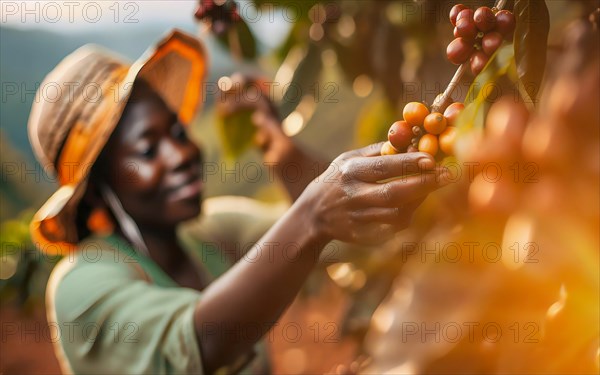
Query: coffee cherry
[[435, 123], [452, 112], [506, 121], [400, 134], [505, 23], [414, 142], [414, 113], [484, 18], [478, 61], [447, 140], [490, 42], [388, 149], [465, 28], [490, 197], [429, 144], [465, 13], [454, 12], [459, 50], [412, 148]]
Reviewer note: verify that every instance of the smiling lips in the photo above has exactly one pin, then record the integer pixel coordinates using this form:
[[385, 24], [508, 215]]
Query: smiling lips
[[187, 191], [190, 189]]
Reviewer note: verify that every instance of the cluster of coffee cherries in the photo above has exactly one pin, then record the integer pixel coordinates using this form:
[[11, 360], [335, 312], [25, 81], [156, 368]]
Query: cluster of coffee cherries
[[478, 34], [422, 130], [221, 15]]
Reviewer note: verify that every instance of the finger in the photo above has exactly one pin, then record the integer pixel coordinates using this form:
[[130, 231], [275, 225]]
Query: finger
[[397, 192], [373, 169], [370, 150], [377, 214]]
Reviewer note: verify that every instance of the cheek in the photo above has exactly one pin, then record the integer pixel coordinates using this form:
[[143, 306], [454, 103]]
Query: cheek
[[141, 179]]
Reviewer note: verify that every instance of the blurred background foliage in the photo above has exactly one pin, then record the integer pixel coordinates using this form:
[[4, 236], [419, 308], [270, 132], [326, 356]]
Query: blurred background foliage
[[351, 66]]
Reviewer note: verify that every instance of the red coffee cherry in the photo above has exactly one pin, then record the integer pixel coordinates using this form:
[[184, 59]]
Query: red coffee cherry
[[459, 50], [484, 18], [465, 28], [454, 12], [490, 42], [505, 23], [478, 61], [400, 134], [465, 13]]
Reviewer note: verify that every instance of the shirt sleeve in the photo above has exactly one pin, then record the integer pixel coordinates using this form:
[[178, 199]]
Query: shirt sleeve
[[111, 320]]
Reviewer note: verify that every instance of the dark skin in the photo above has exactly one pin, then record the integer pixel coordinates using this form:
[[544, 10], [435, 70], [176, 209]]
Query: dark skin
[[155, 171]]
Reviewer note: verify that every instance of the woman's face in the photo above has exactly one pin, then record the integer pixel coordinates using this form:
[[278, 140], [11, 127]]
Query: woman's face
[[152, 166]]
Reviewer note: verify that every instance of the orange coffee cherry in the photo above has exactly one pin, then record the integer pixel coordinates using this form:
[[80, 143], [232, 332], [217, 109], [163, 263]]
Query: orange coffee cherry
[[452, 112], [447, 140], [414, 113], [506, 121], [388, 149], [435, 123], [429, 144]]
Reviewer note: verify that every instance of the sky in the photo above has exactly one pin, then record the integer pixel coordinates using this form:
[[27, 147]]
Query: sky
[[269, 25]]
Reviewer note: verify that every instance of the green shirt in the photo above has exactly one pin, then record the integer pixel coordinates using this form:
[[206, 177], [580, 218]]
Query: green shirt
[[112, 310]]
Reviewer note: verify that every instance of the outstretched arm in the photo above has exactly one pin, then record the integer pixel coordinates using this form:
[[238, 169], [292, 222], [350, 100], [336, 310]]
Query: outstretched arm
[[294, 167], [347, 202]]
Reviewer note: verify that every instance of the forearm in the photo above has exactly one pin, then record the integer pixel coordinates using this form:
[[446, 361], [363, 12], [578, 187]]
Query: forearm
[[256, 291]]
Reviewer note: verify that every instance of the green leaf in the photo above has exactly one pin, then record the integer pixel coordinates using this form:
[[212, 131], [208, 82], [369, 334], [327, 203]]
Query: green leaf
[[476, 102], [305, 80], [237, 133], [531, 43], [239, 40]]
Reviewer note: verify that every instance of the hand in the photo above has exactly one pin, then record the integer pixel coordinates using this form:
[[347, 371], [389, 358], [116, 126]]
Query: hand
[[245, 93], [349, 201]]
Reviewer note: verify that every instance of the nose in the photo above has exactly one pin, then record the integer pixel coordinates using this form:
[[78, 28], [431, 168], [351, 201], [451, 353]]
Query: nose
[[181, 154]]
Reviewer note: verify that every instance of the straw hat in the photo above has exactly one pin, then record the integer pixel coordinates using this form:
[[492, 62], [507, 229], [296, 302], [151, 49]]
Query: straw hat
[[77, 108]]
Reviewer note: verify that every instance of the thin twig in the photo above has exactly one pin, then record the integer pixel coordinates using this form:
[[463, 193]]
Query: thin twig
[[501, 4], [442, 101]]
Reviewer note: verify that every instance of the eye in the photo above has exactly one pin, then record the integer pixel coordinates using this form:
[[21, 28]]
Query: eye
[[148, 152], [178, 132]]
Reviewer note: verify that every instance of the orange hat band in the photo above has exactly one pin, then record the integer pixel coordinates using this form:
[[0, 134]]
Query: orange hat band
[[71, 166]]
